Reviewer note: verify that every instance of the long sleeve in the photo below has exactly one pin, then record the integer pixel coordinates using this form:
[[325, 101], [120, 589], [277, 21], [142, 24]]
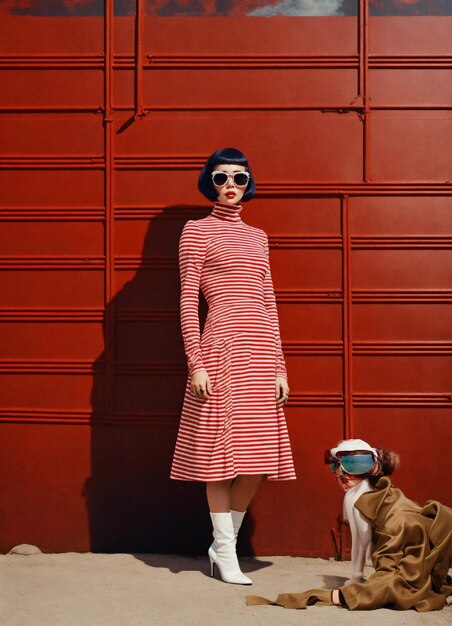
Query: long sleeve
[[192, 251], [360, 528], [270, 305]]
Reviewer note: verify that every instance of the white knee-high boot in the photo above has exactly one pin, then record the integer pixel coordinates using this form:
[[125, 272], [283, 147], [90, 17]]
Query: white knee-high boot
[[237, 519], [224, 556]]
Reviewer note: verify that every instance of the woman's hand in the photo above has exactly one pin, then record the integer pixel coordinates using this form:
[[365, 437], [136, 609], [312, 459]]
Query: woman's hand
[[282, 390], [200, 385]]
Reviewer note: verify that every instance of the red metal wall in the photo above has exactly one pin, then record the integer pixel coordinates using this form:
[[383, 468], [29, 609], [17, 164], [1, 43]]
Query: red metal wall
[[105, 123]]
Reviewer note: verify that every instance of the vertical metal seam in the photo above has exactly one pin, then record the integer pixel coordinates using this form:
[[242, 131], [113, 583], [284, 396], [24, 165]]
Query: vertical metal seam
[[139, 111], [346, 319], [360, 34], [363, 37], [109, 182]]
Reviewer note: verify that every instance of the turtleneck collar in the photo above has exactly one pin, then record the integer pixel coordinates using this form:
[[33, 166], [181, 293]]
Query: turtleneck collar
[[228, 212]]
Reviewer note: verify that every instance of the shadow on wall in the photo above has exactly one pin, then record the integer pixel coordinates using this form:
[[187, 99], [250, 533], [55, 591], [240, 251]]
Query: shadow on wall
[[132, 504]]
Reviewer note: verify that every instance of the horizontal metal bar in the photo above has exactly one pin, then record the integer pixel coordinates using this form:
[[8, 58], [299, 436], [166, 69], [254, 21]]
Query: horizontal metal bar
[[51, 166], [299, 296], [320, 107], [47, 64], [298, 399], [146, 263], [418, 400], [410, 107], [51, 315], [408, 61], [52, 214], [59, 158], [85, 418], [351, 185], [46, 416], [50, 366], [48, 108], [313, 348], [251, 64], [246, 107], [38, 162], [52, 263], [53, 55], [305, 241], [148, 315], [411, 56], [247, 61], [411, 65], [219, 61], [402, 348], [159, 162], [381, 188], [402, 296], [134, 212], [416, 242]]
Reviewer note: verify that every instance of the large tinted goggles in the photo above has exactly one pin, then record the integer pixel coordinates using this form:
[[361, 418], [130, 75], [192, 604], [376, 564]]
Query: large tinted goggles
[[355, 464]]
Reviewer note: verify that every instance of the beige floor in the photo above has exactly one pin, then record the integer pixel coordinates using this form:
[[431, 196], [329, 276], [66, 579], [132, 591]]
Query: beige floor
[[160, 590]]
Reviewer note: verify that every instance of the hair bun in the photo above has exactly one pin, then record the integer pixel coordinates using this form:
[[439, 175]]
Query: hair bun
[[389, 461]]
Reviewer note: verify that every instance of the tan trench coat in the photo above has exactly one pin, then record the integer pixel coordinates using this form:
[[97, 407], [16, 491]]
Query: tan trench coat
[[411, 554]]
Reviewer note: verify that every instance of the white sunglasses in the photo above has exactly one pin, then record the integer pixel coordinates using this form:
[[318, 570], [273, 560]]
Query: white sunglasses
[[240, 179]]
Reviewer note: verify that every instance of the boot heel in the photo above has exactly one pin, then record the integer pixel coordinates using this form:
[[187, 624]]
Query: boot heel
[[212, 568]]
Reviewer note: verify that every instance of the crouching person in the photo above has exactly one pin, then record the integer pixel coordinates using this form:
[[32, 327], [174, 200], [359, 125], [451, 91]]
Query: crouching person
[[410, 545]]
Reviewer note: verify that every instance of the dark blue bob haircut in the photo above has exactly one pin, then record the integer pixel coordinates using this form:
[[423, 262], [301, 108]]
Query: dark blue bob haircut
[[224, 156]]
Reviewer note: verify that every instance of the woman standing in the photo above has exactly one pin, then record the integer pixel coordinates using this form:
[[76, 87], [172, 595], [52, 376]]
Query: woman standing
[[232, 433]]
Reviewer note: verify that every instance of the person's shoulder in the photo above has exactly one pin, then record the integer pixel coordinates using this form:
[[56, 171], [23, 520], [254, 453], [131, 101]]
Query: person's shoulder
[[193, 234], [192, 227], [257, 232], [200, 224]]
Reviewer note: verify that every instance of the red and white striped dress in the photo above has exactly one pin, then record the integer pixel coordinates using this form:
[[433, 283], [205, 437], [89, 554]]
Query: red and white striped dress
[[239, 429]]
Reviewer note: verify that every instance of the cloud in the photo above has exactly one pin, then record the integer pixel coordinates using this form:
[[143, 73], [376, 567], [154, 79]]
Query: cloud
[[300, 7], [52, 7]]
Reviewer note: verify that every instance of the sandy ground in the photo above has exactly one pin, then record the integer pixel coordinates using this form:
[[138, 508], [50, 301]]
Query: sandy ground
[[166, 590]]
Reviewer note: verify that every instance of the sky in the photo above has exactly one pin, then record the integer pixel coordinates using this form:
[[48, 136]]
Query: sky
[[256, 8]]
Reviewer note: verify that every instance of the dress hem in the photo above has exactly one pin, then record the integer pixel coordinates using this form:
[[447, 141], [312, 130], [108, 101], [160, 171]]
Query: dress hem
[[231, 477]]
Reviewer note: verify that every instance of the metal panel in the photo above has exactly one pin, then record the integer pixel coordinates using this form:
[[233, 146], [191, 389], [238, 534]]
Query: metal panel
[[105, 125]]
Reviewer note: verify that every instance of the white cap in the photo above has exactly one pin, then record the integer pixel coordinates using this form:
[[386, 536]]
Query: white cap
[[353, 445]]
